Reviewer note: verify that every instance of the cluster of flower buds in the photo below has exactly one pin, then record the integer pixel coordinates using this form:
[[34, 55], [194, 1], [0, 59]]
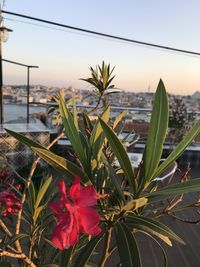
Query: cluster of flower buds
[[9, 203], [4, 175]]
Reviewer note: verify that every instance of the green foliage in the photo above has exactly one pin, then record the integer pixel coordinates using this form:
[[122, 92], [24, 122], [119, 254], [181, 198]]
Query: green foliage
[[156, 136], [120, 152], [179, 120], [101, 78], [152, 227], [127, 194], [86, 252], [179, 149], [174, 190], [178, 114], [127, 246]]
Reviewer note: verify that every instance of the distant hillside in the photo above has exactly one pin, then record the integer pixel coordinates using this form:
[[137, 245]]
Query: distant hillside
[[196, 95]]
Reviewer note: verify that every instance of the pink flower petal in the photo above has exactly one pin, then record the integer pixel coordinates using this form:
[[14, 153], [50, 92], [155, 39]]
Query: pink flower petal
[[82, 196], [88, 221], [63, 237], [74, 191], [73, 235], [62, 188], [87, 197], [74, 216], [60, 238]]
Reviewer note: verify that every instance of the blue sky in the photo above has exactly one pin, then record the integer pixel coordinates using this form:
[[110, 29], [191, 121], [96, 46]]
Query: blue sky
[[64, 56]]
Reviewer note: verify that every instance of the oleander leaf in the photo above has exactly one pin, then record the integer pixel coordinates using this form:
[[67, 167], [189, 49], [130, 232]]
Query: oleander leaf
[[127, 246], [61, 163], [87, 251], [120, 152], [179, 149], [154, 227], [52, 159], [72, 132], [156, 134], [98, 137], [174, 190], [42, 191]]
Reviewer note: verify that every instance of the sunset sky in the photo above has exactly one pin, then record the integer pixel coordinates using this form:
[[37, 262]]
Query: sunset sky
[[63, 56]]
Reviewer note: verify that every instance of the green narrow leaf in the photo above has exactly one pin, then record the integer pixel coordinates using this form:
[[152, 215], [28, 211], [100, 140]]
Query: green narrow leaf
[[156, 134], [87, 122], [127, 246], [72, 132], [97, 131], [162, 249], [37, 212], [42, 191], [98, 137], [30, 143], [75, 114], [51, 158], [88, 153], [50, 243], [61, 164], [114, 178], [119, 118], [174, 190], [84, 256], [153, 227], [135, 204], [179, 149], [13, 240], [120, 152], [31, 197], [65, 257]]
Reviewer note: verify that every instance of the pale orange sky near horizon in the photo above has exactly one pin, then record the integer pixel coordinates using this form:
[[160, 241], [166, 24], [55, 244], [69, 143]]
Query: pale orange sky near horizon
[[65, 56]]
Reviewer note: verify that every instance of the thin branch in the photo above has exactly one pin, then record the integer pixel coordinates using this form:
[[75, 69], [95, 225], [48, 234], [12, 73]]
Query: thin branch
[[106, 253], [17, 229], [185, 220], [5, 228], [173, 204], [20, 256], [97, 105], [112, 250]]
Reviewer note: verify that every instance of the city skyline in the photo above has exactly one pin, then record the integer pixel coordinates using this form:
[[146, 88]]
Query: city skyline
[[64, 56]]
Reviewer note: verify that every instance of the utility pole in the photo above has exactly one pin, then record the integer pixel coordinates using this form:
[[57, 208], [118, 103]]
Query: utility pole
[[3, 38], [1, 75]]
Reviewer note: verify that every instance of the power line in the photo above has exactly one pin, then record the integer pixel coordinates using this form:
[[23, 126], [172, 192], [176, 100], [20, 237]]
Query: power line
[[104, 34], [59, 29], [92, 36]]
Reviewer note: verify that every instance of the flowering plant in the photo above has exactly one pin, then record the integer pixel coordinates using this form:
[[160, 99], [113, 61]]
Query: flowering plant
[[9, 203], [74, 215], [100, 206]]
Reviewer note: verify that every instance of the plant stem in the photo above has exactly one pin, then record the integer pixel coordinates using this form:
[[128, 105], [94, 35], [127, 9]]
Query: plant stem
[[184, 220], [112, 250], [17, 229], [106, 253], [5, 228], [20, 256], [97, 105]]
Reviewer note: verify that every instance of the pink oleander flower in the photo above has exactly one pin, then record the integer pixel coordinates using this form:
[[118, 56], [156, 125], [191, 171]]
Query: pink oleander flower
[[74, 214], [5, 176], [19, 187], [9, 203]]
